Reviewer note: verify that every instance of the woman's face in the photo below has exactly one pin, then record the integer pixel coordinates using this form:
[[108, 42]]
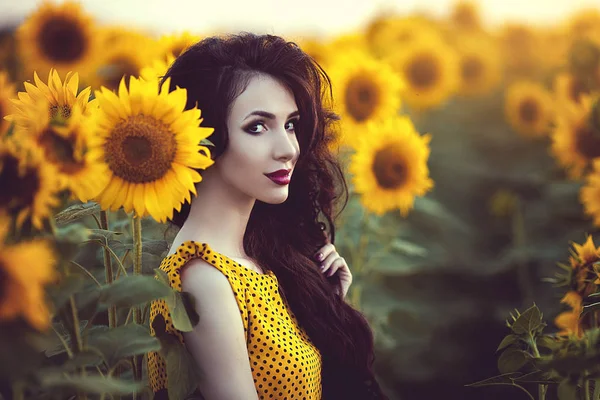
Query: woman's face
[[262, 140]]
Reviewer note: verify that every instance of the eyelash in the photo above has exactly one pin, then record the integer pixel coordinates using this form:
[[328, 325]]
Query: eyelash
[[258, 123]]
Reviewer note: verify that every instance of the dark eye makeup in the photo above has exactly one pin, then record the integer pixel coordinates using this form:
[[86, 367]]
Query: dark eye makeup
[[254, 127]]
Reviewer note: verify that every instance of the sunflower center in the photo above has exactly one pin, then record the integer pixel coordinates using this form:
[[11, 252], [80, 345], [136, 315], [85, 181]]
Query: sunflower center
[[115, 70], [59, 151], [62, 40], [529, 110], [587, 141], [140, 149], [61, 112], [18, 186], [362, 97], [423, 71], [472, 69], [389, 168]]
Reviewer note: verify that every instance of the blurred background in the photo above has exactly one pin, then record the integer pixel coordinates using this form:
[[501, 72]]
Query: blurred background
[[505, 91]]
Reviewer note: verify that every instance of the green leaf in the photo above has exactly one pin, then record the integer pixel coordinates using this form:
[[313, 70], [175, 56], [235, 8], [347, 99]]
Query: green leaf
[[507, 341], [133, 290], [103, 234], [76, 212], [549, 342], [567, 390], [512, 360], [122, 342], [85, 358], [90, 384], [182, 371], [529, 321], [180, 304], [494, 380], [539, 377], [408, 248]]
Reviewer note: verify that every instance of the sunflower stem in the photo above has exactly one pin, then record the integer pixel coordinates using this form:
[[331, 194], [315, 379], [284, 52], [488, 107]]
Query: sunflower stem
[[137, 270], [78, 346], [108, 271]]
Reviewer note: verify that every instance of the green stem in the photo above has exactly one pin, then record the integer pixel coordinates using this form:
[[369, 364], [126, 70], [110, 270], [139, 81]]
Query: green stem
[[108, 271], [596, 395], [586, 389], [542, 389], [78, 346], [137, 270]]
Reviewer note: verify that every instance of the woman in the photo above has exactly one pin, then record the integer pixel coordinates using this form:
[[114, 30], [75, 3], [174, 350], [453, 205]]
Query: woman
[[268, 285]]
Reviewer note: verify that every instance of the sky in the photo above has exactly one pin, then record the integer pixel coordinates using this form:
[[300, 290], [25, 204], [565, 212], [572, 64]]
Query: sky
[[287, 17]]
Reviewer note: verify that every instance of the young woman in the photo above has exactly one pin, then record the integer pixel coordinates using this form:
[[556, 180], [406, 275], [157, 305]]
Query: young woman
[[268, 283]]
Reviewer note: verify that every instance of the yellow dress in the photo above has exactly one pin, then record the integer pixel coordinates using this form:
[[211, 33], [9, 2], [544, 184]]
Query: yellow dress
[[285, 363]]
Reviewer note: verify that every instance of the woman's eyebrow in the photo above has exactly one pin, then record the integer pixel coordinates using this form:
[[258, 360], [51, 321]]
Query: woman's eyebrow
[[269, 115]]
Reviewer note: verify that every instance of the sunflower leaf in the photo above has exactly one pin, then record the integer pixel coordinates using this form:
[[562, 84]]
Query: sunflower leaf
[[512, 360], [89, 384], [133, 290], [121, 342], [507, 341], [529, 321], [76, 212]]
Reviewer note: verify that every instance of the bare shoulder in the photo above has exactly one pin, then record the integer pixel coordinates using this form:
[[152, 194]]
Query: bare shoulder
[[201, 278]]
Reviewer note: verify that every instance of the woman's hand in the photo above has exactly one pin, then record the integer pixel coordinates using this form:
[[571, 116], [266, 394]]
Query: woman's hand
[[332, 263]]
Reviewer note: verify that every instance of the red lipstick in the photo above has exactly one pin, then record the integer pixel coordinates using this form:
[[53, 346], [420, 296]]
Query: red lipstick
[[280, 177]]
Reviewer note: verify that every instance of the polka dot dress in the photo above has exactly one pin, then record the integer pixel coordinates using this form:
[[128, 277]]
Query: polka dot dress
[[285, 363]]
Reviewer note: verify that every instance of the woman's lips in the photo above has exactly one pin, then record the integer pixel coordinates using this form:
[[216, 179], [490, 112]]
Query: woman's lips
[[280, 178]]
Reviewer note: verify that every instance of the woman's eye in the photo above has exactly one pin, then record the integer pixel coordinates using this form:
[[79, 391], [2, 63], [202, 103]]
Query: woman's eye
[[292, 125], [256, 128]]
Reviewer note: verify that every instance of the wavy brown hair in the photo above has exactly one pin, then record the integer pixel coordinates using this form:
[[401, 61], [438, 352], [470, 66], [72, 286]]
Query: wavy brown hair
[[284, 237]]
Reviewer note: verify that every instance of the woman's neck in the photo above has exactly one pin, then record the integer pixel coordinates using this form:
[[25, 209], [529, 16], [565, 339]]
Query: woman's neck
[[218, 216]]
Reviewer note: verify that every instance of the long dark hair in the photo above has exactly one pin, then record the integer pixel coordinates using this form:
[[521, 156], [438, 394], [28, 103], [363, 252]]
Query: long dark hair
[[284, 237]]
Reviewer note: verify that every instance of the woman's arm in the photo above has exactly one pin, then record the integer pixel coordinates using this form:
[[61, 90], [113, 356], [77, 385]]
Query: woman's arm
[[217, 342]]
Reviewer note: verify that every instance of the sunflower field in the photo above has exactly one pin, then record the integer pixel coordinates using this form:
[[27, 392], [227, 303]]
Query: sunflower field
[[473, 158]]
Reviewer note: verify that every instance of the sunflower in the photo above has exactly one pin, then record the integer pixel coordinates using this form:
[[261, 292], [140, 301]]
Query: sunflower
[[364, 89], [176, 44], [316, 48], [430, 69], [479, 65], [25, 268], [152, 148], [157, 68], [59, 96], [528, 108], [389, 166], [7, 92], [75, 152], [58, 36], [569, 321], [465, 15], [125, 58], [29, 185], [387, 36], [575, 142]]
